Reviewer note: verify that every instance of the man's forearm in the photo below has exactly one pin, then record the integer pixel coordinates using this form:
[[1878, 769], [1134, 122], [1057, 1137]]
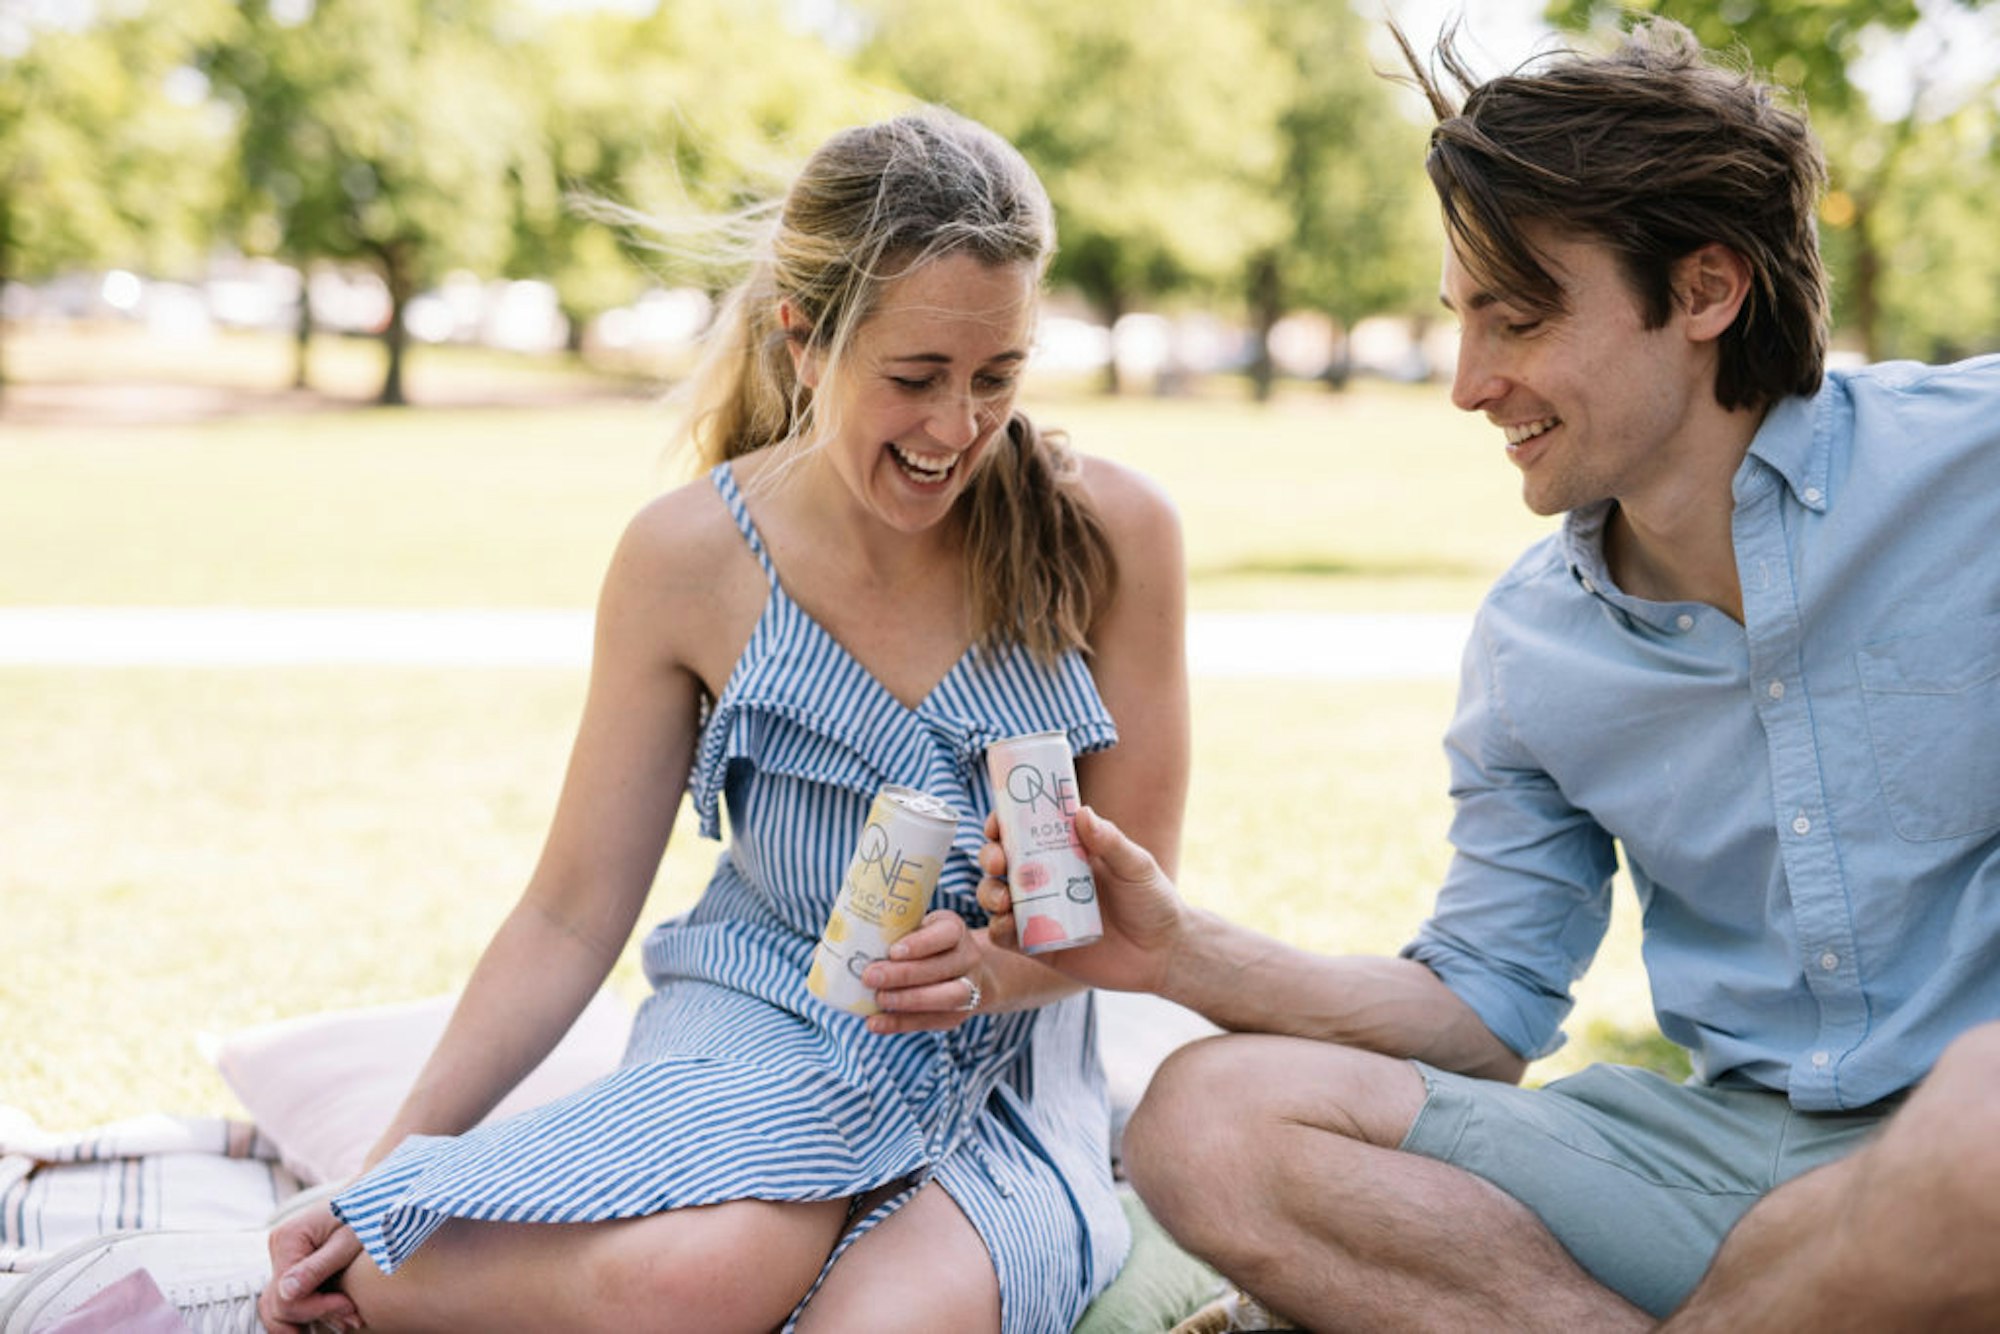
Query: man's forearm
[[1248, 982]]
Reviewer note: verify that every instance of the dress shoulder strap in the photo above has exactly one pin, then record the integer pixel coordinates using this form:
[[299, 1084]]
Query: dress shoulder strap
[[724, 476]]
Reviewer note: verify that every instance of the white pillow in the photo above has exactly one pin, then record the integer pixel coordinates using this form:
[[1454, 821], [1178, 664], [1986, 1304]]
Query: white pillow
[[321, 1087]]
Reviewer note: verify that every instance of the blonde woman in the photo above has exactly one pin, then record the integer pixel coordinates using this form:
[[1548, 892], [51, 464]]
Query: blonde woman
[[887, 567]]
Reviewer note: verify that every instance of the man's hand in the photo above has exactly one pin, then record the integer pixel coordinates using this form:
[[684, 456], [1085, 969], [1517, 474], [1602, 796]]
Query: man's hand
[[1145, 920], [309, 1250]]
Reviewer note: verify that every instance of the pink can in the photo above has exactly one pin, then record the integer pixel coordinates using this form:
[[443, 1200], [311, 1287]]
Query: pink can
[[1035, 795]]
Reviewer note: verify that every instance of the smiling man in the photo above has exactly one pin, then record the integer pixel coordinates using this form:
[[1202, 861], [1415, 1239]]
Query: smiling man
[[1761, 659]]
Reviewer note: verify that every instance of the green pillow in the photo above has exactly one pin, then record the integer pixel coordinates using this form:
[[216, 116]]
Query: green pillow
[[1160, 1285]]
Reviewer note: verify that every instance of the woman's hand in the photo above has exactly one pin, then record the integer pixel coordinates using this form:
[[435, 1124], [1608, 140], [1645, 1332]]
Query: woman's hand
[[1144, 916], [933, 977], [308, 1250]]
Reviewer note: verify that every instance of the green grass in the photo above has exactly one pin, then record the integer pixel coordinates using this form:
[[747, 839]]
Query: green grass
[[192, 851], [1383, 498]]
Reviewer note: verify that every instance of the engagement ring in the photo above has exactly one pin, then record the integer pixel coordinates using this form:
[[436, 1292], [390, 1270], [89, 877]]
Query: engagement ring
[[971, 994]]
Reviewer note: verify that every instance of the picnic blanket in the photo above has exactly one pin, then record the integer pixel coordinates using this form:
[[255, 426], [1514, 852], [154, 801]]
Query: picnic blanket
[[154, 1171], [319, 1087]]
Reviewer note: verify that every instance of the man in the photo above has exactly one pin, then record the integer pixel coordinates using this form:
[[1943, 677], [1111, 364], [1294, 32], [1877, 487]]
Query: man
[[1762, 657]]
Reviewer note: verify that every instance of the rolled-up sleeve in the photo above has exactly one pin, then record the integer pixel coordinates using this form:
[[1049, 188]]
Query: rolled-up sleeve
[[1527, 898]]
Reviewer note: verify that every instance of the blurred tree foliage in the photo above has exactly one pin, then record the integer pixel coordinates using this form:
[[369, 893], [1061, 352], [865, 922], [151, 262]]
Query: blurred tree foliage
[[1358, 232], [701, 105], [1238, 155], [1150, 122], [1910, 153], [108, 151], [379, 131]]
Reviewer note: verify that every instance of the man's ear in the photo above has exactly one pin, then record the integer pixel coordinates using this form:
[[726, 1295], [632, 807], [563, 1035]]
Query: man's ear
[[1710, 286], [798, 341]]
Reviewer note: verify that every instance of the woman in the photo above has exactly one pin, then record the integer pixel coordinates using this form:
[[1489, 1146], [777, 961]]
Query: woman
[[887, 568]]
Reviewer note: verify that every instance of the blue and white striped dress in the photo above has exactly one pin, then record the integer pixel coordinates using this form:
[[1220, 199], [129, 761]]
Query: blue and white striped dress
[[738, 1083]]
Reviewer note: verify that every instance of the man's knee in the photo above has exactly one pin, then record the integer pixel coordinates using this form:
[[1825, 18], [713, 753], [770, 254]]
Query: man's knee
[[1188, 1123], [1971, 1063], [1222, 1115], [1950, 1128]]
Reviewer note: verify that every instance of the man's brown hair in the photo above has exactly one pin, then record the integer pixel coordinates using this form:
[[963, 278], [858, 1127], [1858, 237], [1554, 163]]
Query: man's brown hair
[[1655, 150]]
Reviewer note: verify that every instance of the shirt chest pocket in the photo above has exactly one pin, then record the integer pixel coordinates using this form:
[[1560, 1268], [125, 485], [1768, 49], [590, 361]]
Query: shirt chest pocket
[[1933, 705]]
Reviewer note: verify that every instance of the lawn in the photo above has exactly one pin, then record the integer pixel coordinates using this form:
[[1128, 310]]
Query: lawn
[[189, 851]]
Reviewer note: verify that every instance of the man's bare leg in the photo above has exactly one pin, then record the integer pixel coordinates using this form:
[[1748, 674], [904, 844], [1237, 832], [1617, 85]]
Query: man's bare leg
[[1902, 1234], [1275, 1159]]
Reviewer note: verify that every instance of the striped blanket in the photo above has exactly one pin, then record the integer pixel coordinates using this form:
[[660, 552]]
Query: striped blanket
[[147, 1172]]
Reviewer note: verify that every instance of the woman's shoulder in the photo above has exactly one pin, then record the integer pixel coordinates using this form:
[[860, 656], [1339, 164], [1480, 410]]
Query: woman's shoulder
[[684, 588], [1135, 510], [676, 527], [683, 553]]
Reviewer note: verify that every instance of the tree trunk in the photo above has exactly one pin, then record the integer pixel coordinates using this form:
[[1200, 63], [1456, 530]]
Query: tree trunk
[[1339, 371], [395, 338], [302, 337], [5, 255], [1110, 305], [1867, 307], [3, 337], [1267, 299]]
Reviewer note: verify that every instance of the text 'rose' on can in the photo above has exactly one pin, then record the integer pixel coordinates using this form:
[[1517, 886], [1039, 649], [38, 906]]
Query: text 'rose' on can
[[1035, 795], [885, 893]]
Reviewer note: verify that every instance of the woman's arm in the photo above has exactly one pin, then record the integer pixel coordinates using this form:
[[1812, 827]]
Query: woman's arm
[[1139, 658], [627, 771]]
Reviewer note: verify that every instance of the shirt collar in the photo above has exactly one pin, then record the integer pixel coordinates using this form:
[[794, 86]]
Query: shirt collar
[[1795, 441], [1583, 546]]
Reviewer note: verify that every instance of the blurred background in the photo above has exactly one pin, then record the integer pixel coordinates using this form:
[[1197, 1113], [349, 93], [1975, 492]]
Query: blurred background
[[1234, 183], [326, 388]]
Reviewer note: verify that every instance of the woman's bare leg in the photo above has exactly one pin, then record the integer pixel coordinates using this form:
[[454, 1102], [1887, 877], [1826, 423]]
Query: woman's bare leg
[[922, 1269], [725, 1267]]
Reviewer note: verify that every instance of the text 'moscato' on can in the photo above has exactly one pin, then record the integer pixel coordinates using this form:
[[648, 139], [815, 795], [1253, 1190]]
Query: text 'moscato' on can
[[1034, 791], [886, 892]]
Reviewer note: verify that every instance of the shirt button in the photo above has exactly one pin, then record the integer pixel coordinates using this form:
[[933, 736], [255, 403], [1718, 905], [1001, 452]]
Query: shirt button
[[1684, 621], [1802, 825], [1588, 586], [1776, 690], [1812, 494], [1820, 1059], [1829, 961]]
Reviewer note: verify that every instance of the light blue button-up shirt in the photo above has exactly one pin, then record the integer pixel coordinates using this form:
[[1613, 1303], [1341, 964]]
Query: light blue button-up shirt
[[1808, 803]]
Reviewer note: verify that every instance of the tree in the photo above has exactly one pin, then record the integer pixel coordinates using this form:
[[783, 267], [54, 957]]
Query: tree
[[1149, 122], [387, 132], [688, 106], [1819, 49], [1360, 232], [105, 150]]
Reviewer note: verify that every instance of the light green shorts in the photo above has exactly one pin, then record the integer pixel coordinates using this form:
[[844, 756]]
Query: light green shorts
[[1639, 1177]]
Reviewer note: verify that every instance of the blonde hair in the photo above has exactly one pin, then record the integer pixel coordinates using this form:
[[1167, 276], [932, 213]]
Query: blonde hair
[[871, 205]]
